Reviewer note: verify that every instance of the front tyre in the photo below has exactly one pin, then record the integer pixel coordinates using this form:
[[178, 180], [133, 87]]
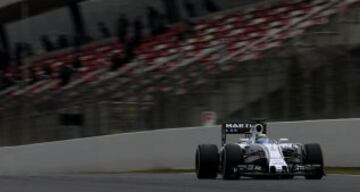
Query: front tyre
[[231, 157], [207, 161], [314, 158]]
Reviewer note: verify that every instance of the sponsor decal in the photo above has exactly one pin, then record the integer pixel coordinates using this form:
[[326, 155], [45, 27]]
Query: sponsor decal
[[243, 127], [239, 125]]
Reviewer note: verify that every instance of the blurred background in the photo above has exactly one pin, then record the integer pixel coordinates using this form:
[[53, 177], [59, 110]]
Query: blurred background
[[82, 68]]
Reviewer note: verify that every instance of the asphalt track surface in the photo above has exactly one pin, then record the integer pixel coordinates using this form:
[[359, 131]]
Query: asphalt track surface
[[172, 183]]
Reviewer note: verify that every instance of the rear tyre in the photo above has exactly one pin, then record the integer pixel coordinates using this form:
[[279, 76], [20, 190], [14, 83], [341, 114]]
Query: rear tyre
[[313, 156], [207, 161], [231, 157]]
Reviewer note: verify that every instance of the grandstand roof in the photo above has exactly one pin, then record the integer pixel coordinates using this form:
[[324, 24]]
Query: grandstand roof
[[11, 10]]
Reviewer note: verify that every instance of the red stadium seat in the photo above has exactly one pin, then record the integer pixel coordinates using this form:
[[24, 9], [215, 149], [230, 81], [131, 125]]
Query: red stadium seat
[[244, 34]]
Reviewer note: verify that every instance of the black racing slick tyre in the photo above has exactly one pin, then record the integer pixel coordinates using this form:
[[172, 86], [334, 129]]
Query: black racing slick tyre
[[207, 161], [231, 157], [314, 157]]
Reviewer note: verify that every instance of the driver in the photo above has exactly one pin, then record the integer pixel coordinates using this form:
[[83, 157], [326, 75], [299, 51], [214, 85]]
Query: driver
[[262, 138]]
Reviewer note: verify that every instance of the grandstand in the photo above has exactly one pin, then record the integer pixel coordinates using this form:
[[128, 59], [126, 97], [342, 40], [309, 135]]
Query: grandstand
[[282, 60]]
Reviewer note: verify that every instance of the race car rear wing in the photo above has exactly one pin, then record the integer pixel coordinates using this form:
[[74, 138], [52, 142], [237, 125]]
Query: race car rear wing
[[243, 127]]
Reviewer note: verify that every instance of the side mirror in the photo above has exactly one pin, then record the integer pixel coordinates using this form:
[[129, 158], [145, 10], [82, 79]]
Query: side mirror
[[243, 140], [283, 140]]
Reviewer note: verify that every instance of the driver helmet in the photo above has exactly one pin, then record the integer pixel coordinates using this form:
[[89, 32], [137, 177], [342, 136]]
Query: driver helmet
[[262, 138]]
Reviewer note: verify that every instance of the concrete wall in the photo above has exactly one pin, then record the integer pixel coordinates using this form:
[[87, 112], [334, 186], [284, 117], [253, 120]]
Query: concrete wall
[[134, 151], [338, 138], [170, 148]]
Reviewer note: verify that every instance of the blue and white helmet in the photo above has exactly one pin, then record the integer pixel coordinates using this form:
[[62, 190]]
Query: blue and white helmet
[[262, 138]]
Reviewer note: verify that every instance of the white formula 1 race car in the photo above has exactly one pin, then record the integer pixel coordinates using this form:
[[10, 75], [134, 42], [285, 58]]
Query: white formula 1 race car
[[257, 156]]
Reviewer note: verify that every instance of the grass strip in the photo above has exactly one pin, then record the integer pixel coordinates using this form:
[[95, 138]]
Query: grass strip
[[343, 170], [328, 170]]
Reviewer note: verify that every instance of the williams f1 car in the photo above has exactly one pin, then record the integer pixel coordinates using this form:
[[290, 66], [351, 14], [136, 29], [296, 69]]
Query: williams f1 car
[[250, 157]]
